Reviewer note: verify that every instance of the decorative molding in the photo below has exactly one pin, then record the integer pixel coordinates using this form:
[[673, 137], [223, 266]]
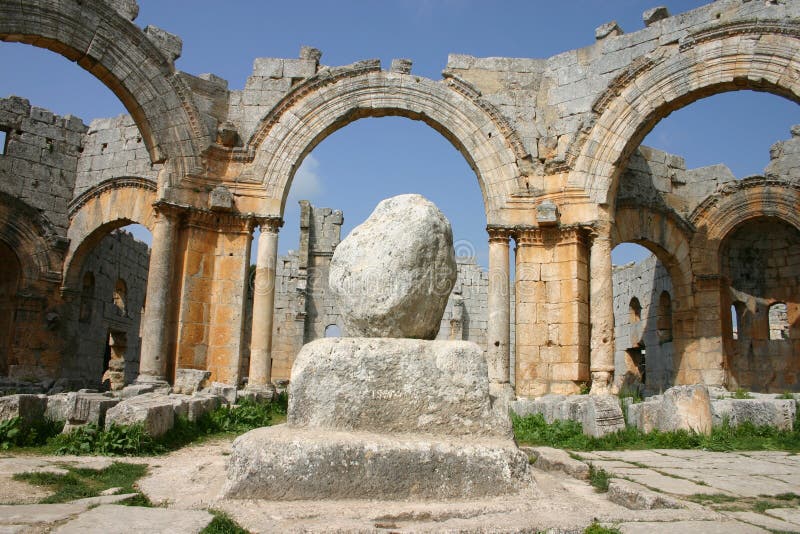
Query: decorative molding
[[745, 27], [109, 185], [732, 188]]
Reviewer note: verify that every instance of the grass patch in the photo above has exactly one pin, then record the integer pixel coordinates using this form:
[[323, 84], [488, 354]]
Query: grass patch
[[597, 528], [81, 483], [134, 441], [788, 395], [760, 504], [14, 433], [599, 478], [533, 430], [741, 393], [223, 524]]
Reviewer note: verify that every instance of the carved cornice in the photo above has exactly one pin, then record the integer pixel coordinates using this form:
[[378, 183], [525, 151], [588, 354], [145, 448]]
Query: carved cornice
[[732, 188], [525, 235], [109, 185], [470, 92], [323, 78], [745, 27], [224, 222]]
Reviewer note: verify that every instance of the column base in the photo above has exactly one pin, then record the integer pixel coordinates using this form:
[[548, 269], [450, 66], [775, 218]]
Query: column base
[[158, 382], [602, 383]]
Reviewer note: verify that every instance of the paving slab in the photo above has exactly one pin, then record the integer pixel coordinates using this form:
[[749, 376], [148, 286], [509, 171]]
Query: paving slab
[[706, 527], [765, 521], [117, 519], [659, 482], [29, 514], [792, 515], [749, 486]]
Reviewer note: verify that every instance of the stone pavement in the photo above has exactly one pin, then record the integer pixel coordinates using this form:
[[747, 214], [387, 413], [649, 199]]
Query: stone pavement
[[188, 482]]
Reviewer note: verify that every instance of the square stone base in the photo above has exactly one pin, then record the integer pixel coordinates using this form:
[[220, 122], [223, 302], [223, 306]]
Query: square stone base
[[292, 463]]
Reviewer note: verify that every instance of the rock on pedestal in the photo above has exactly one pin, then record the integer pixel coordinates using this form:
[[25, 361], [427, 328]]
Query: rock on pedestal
[[382, 418]]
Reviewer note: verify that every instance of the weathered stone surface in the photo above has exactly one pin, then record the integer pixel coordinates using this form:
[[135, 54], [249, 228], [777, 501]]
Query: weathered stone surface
[[598, 414], [394, 385], [117, 519], [637, 497], [155, 412], [29, 408], [778, 413], [224, 391], [188, 381], [393, 274], [59, 406], [687, 408], [291, 463], [137, 389], [550, 459], [193, 407], [89, 408]]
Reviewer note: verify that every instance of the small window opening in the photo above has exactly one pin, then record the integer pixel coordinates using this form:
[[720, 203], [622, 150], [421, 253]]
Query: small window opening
[[3, 142], [333, 330], [737, 312], [635, 311], [778, 322], [664, 324], [120, 295]]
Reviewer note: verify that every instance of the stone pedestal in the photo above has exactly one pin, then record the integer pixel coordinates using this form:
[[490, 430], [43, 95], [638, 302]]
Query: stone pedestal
[[383, 418]]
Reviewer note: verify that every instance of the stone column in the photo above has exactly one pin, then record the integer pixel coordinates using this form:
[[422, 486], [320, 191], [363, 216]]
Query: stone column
[[259, 376], [153, 358], [498, 333], [601, 311]]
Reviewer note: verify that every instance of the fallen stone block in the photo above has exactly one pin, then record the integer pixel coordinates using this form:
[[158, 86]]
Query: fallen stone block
[[598, 414], [137, 389], [637, 497], [192, 407], [155, 412], [89, 408], [222, 390], [685, 408], [59, 406], [291, 463], [602, 415], [189, 381], [29, 408], [778, 413], [261, 394], [550, 459]]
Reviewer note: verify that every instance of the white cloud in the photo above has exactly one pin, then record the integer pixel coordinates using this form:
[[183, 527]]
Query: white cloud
[[306, 184]]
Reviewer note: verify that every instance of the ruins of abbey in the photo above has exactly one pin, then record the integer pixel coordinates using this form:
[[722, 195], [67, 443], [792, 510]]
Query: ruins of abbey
[[554, 144]]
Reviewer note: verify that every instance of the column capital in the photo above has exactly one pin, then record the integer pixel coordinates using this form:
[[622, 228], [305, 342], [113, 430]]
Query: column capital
[[550, 235], [269, 224], [499, 234]]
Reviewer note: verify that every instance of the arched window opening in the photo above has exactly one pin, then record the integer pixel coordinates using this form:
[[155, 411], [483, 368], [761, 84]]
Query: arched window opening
[[664, 324], [635, 309], [737, 312], [9, 285], [120, 296], [778, 322], [87, 298], [333, 330], [636, 362]]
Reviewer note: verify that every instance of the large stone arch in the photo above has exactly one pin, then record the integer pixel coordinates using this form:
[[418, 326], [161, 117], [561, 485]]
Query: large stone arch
[[328, 102], [736, 203], [756, 55], [109, 205], [33, 239], [121, 56]]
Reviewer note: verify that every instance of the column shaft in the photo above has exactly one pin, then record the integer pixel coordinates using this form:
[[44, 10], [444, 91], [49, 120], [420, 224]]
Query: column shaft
[[601, 312], [499, 331], [263, 308], [153, 358]]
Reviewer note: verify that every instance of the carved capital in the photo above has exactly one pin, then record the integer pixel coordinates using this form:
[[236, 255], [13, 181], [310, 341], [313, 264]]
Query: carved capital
[[269, 224], [499, 234]]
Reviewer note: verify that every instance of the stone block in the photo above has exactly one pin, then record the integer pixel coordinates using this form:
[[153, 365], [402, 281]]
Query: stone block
[[653, 15], [127, 8], [137, 389], [224, 391], [602, 415], [637, 497], [193, 407], [89, 408], [687, 408], [609, 29], [778, 413], [403, 66], [268, 67], [299, 68], [188, 381], [59, 406], [170, 44], [290, 463], [155, 412], [394, 385], [550, 459], [29, 408]]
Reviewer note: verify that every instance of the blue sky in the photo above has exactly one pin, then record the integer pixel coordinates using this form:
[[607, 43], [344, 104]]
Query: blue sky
[[371, 159]]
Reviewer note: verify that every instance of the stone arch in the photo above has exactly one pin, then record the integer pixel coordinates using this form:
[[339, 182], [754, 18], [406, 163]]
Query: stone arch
[[36, 243], [756, 55], [327, 103], [119, 54], [110, 205], [737, 203]]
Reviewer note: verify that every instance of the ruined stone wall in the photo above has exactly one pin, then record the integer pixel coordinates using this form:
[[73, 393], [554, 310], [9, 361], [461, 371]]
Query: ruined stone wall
[[643, 344], [108, 326], [40, 157], [761, 264], [112, 148]]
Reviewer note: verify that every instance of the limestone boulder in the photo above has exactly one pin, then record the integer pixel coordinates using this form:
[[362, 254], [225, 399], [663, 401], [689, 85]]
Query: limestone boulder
[[153, 411], [687, 408], [394, 385], [392, 275], [778, 413], [29, 408], [289, 463], [188, 381]]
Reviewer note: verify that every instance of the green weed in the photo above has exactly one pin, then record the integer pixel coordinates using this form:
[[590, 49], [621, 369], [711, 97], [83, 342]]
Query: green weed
[[223, 524], [597, 528], [599, 478], [82, 483]]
